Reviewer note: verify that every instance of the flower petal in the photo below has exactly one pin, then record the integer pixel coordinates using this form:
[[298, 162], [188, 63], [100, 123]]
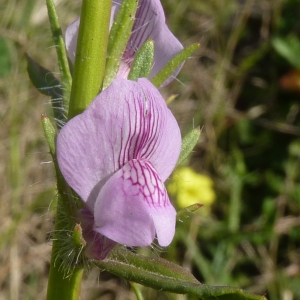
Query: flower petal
[[128, 120], [133, 205], [71, 37], [150, 24], [98, 246]]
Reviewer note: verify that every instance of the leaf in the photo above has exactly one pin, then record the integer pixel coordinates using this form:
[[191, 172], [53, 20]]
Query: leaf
[[43, 79], [173, 64], [49, 85], [289, 48], [143, 62], [163, 275], [118, 38], [252, 59], [188, 210], [61, 52], [171, 98], [188, 143]]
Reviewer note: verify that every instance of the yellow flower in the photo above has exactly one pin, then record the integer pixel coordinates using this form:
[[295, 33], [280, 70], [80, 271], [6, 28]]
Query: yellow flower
[[190, 187]]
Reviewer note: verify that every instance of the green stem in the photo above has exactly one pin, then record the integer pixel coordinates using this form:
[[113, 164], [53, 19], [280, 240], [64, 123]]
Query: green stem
[[235, 205], [137, 291], [90, 56], [60, 286]]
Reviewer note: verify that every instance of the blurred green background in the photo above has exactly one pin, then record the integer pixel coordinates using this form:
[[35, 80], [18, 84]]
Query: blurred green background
[[242, 87]]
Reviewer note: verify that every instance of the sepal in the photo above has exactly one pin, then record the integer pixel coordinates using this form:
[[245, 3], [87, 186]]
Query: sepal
[[188, 143], [118, 38], [143, 62], [173, 64]]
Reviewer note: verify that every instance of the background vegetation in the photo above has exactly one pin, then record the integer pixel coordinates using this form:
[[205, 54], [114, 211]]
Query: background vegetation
[[242, 88]]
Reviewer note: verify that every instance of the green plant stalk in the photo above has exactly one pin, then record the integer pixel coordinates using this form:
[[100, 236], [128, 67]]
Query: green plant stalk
[[235, 205], [59, 42], [90, 56], [60, 286], [137, 291]]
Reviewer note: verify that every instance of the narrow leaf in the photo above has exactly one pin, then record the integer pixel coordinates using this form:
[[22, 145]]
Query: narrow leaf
[[289, 48], [163, 275], [120, 256], [43, 79], [47, 84], [171, 98], [118, 38], [188, 143], [143, 62], [173, 64], [188, 210], [61, 52]]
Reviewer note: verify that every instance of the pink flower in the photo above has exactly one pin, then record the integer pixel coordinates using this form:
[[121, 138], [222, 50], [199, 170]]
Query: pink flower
[[116, 155], [149, 24]]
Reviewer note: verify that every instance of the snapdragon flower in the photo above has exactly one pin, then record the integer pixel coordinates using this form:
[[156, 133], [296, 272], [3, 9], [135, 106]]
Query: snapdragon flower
[[116, 155], [149, 24]]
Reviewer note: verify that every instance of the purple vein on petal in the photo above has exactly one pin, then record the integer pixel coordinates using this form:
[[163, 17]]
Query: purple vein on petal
[[144, 176]]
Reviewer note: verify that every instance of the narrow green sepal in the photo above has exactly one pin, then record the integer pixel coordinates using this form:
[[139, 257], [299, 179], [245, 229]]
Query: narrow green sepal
[[188, 143], [118, 38], [188, 210], [173, 64], [50, 133], [166, 276], [143, 62], [171, 98], [61, 52]]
